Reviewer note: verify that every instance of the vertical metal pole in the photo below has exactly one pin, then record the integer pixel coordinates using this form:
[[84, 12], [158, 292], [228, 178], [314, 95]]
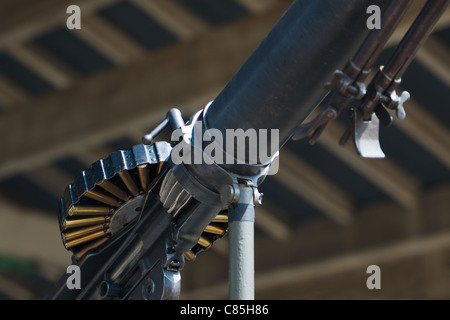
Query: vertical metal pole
[[241, 240]]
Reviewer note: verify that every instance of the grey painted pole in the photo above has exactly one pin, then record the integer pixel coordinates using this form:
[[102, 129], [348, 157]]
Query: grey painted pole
[[242, 271], [241, 243]]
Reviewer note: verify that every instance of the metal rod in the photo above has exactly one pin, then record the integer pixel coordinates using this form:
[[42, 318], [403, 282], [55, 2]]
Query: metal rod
[[388, 78], [376, 40], [415, 37], [242, 269], [241, 239]]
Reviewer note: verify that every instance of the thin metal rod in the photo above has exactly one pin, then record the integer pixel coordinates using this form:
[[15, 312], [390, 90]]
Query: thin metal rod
[[376, 40], [415, 37]]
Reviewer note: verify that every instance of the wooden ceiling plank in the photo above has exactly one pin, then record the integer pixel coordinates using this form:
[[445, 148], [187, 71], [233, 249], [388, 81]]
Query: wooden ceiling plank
[[30, 234], [383, 173], [427, 131], [286, 275], [435, 56], [257, 6], [15, 290], [267, 219], [411, 14], [23, 20], [51, 179], [174, 17], [44, 68], [311, 185], [111, 103], [287, 270], [109, 40], [10, 94]]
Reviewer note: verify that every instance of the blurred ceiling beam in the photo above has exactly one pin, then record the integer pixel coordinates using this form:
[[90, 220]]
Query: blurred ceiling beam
[[434, 55], [114, 102], [42, 66], [15, 290], [433, 237], [51, 179], [173, 17], [355, 261], [257, 6], [410, 16], [22, 20], [10, 94], [109, 40], [31, 235], [311, 185], [331, 267], [426, 130], [267, 219], [384, 173]]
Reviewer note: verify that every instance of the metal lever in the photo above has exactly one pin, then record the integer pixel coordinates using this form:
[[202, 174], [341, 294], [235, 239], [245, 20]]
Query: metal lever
[[173, 118], [315, 128], [365, 135]]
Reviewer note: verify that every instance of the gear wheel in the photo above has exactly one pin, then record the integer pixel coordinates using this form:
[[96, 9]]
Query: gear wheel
[[109, 195]]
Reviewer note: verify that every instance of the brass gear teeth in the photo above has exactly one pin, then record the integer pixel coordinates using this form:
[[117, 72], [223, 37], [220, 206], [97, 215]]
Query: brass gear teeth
[[96, 194]]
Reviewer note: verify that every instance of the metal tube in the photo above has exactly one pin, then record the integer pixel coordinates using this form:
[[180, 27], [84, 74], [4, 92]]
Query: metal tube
[[415, 37], [241, 240], [242, 269], [377, 38], [282, 81]]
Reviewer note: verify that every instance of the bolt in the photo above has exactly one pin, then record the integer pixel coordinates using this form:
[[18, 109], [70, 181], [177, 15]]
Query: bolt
[[257, 197], [229, 194]]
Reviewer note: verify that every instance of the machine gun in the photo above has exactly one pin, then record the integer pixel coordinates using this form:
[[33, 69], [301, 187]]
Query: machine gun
[[134, 219]]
